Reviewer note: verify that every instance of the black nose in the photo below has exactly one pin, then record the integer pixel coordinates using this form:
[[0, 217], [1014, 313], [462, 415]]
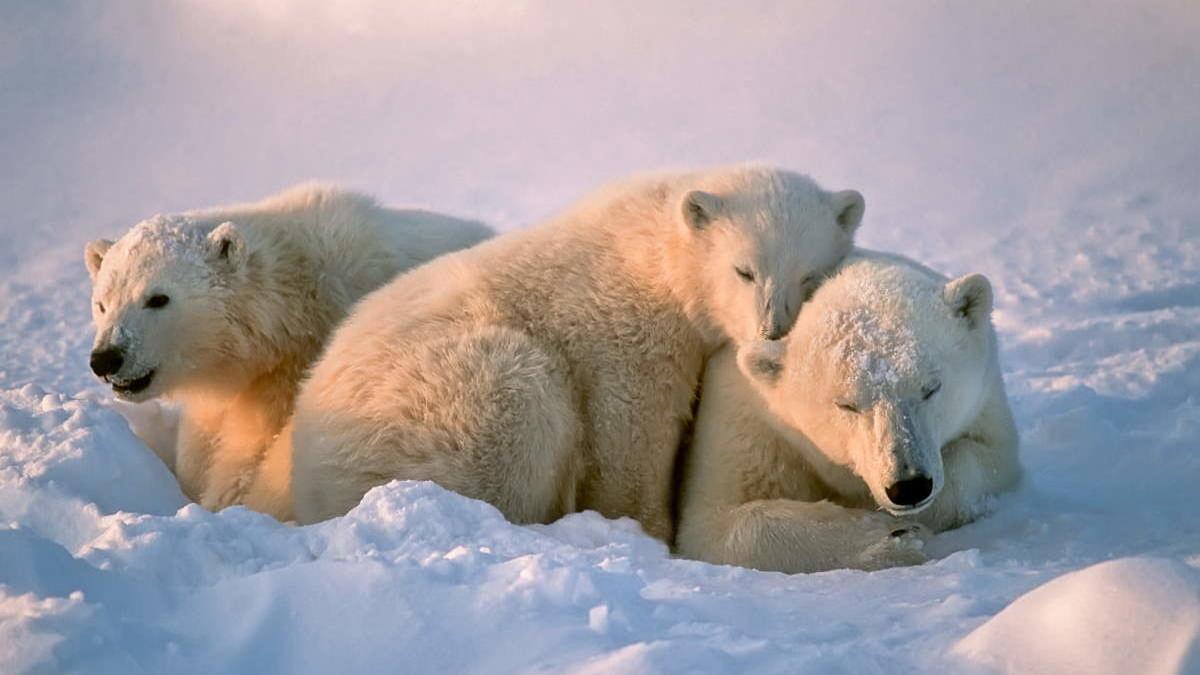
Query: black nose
[[910, 492], [774, 331], [107, 361]]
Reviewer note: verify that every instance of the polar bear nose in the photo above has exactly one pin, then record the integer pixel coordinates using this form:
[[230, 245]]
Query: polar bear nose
[[107, 361], [777, 321], [773, 331], [911, 491]]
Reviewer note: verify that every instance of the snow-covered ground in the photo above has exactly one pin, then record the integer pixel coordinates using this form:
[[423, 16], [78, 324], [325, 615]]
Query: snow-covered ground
[[1053, 146]]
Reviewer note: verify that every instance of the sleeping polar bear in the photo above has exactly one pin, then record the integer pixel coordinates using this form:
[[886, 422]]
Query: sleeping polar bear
[[883, 408]]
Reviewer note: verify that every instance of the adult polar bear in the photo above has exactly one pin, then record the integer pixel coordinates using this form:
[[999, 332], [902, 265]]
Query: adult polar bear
[[886, 394], [224, 309], [553, 369]]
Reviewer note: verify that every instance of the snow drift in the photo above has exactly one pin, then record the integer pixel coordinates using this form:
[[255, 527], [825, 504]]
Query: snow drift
[[1133, 615]]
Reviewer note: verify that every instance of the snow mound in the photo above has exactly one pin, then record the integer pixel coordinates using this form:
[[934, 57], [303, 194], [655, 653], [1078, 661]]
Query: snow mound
[[103, 571], [1133, 615], [76, 449]]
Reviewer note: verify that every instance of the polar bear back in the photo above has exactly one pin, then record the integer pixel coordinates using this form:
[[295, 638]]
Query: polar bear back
[[620, 298]]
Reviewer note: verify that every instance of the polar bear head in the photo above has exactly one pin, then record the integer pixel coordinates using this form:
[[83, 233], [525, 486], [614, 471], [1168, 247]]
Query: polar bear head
[[770, 237], [886, 364], [160, 301]]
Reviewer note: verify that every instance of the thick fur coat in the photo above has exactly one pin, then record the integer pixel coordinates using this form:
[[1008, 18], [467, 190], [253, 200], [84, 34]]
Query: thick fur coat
[[553, 369], [223, 310], [881, 415]]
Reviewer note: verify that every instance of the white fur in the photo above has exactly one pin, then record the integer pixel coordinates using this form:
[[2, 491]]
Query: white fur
[[779, 477], [554, 369], [254, 290]]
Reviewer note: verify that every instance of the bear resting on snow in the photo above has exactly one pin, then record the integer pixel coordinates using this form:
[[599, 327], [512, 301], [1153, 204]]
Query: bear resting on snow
[[554, 369], [882, 411], [224, 309]]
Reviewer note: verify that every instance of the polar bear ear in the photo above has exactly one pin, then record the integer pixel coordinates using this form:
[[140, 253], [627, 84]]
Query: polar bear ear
[[762, 360], [970, 296], [226, 244], [848, 208], [93, 255], [700, 209]]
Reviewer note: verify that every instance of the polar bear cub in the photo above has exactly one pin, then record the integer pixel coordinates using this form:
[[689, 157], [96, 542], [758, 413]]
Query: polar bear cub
[[883, 408], [554, 369], [224, 309]]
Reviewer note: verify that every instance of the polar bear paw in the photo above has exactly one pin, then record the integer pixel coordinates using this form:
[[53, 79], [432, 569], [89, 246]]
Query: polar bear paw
[[903, 545]]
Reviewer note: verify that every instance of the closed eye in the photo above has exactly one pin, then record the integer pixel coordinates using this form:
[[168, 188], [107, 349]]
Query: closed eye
[[157, 301], [848, 407], [928, 393], [745, 274]]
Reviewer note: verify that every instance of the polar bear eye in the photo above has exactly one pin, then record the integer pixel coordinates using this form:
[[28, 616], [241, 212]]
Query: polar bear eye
[[745, 274], [848, 407], [100, 306], [930, 391], [157, 301]]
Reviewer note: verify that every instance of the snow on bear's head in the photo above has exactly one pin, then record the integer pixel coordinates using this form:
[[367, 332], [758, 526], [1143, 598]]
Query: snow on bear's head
[[887, 363], [771, 236], [158, 302]]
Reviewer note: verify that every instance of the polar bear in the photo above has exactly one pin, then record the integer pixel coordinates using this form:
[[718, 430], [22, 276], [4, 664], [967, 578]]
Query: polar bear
[[882, 412], [553, 369], [223, 310]]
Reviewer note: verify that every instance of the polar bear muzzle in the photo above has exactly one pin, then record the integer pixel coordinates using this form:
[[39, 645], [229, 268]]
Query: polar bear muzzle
[[108, 361]]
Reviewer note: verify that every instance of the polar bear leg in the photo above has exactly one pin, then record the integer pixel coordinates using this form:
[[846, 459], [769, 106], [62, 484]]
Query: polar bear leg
[[975, 473], [978, 466], [488, 414], [270, 490], [155, 423], [792, 536]]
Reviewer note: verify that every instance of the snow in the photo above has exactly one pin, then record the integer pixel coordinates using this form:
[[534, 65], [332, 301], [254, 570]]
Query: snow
[[1050, 146], [1134, 615]]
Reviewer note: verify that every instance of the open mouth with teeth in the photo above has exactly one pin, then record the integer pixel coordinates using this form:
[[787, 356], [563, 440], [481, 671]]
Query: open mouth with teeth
[[133, 386]]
